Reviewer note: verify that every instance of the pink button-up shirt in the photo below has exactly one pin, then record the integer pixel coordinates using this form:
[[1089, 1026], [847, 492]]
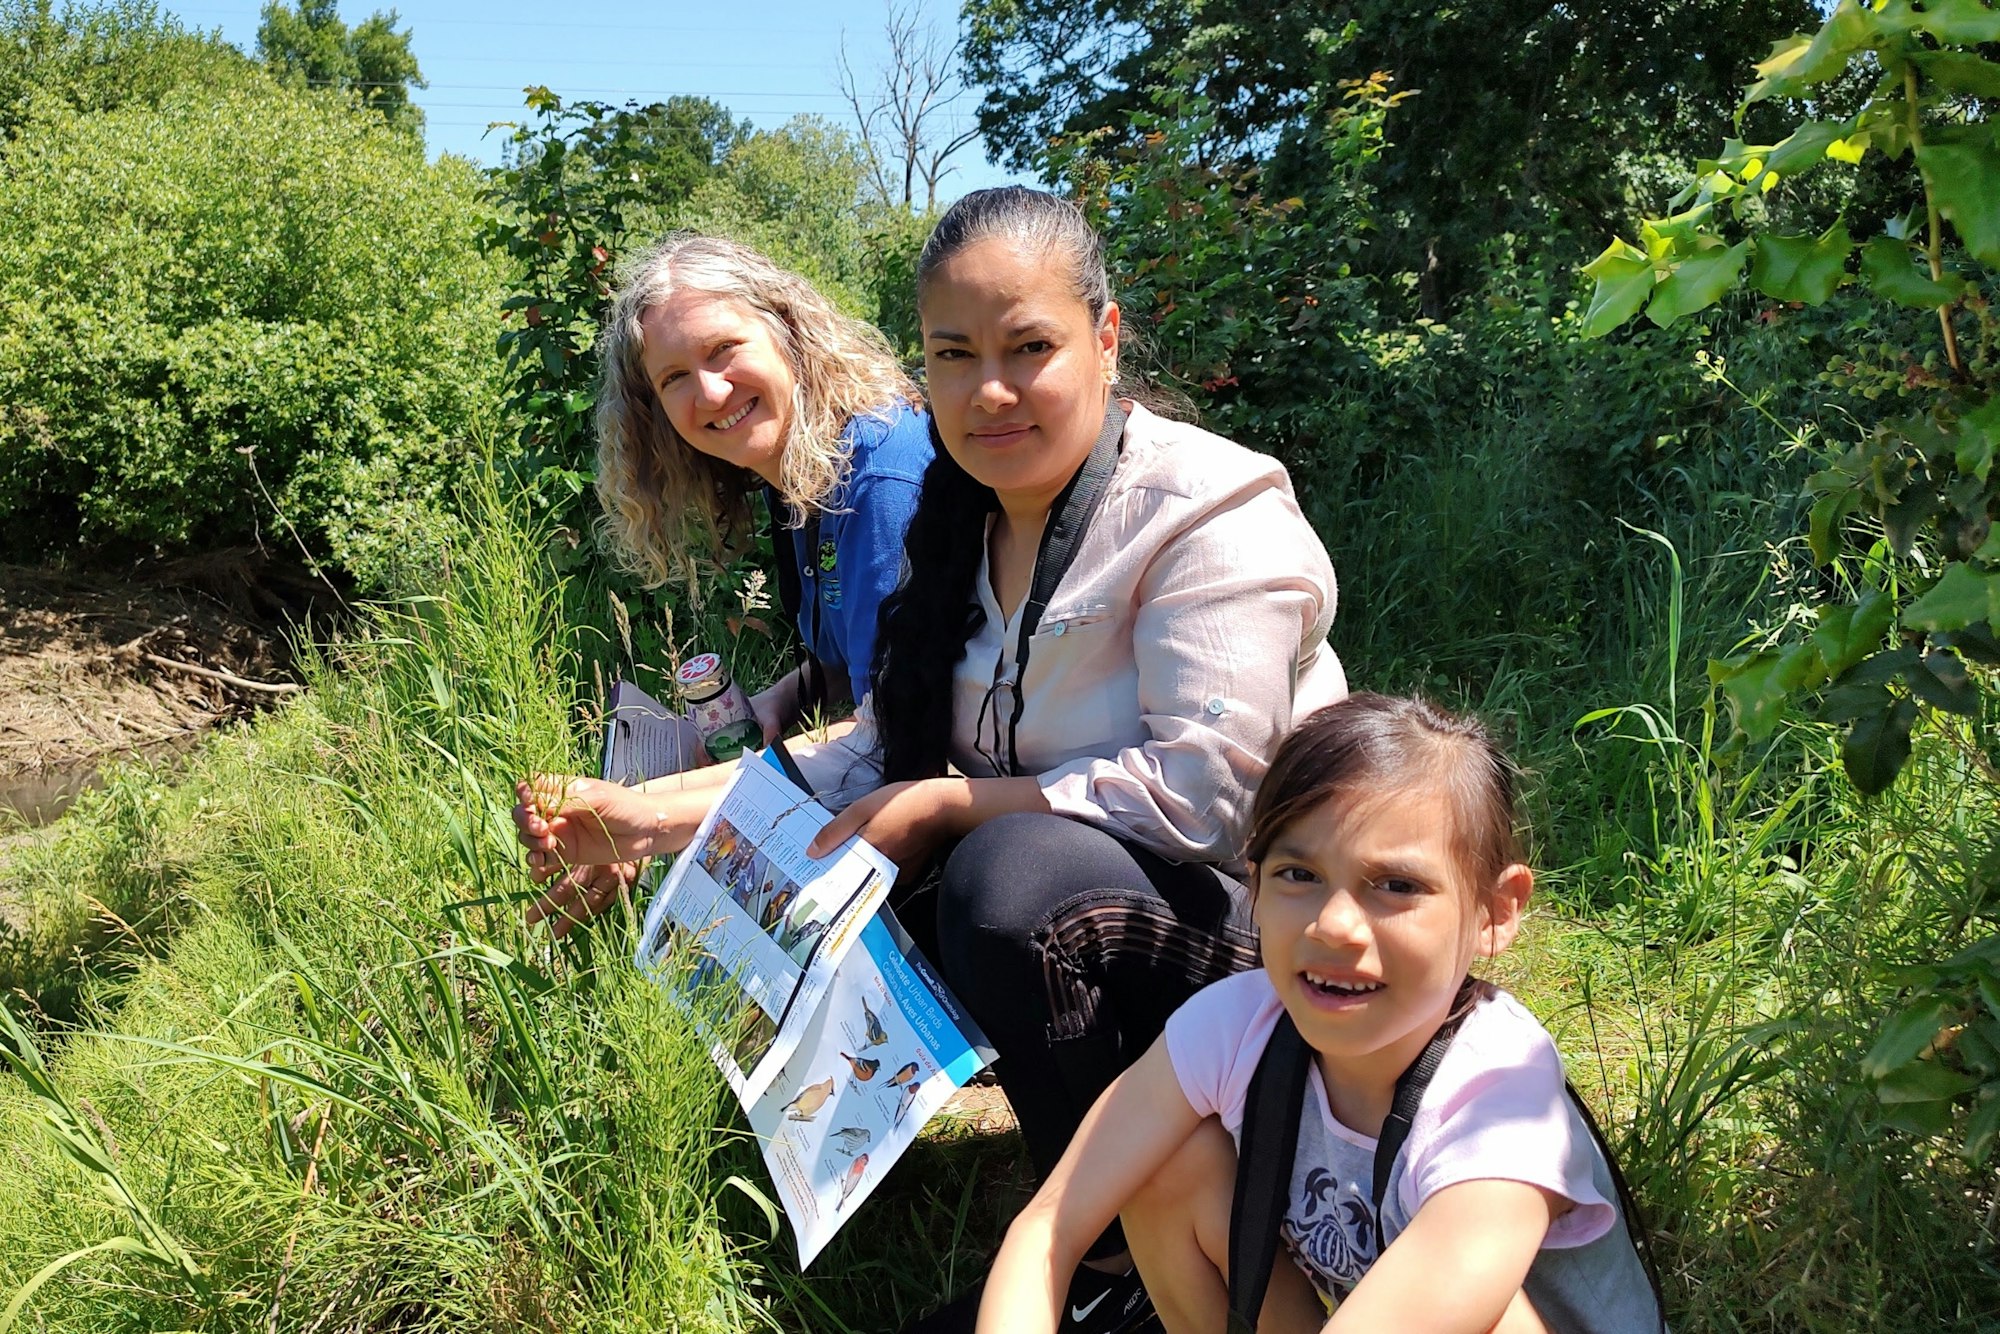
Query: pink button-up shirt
[[1181, 644]]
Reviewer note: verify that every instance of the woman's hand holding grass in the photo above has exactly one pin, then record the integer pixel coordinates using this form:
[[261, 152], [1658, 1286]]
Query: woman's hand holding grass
[[586, 836], [582, 892]]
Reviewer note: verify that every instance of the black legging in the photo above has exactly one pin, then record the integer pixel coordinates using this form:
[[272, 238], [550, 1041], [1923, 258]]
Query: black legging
[[1070, 947]]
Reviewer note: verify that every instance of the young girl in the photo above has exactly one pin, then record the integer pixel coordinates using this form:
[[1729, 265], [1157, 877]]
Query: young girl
[[1385, 861]]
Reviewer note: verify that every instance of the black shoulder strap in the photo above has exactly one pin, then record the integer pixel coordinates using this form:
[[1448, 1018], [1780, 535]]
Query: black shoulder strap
[[789, 598], [1068, 518], [1410, 1086], [1269, 1142], [791, 768]]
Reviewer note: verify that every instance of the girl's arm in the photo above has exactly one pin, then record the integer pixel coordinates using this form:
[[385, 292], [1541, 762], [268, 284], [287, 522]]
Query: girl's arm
[[1484, 1234], [1131, 1131]]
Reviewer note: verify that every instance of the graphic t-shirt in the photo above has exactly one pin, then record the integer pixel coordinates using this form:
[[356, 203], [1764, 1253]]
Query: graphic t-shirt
[[857, 555], [1497, 1108]]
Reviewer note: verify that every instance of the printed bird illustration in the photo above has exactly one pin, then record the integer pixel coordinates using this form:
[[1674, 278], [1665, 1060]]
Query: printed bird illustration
[[876, 1034], [851, 1178], [903, 1076], [811, 1098], [864, 1067], [774, 907], [903, 1105], [787, 932], [852, 1139], [801, 944]]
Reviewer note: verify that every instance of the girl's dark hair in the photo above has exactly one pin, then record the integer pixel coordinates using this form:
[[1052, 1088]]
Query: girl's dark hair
[[1373, 745], [927, 622]]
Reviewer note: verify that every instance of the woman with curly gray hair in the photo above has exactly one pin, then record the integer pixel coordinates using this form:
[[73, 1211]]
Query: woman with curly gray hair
[[724, 372]]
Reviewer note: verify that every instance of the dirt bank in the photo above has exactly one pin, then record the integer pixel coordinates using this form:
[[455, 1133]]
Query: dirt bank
[[96, 666]]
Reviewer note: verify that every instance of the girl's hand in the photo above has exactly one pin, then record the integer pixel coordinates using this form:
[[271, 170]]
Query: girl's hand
[[904, 821], [581, 893], [570, 822]]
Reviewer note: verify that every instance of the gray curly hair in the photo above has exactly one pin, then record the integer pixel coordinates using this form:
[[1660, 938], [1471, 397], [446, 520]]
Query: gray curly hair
[[661, 495]]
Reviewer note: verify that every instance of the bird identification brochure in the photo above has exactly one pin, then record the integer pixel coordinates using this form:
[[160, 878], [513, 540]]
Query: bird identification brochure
[[837, 1036]]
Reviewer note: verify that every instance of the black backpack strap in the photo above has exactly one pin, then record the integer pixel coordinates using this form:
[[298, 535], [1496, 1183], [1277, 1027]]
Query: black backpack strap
[[1410, 1086], [1068, 519], [1269, 1142]]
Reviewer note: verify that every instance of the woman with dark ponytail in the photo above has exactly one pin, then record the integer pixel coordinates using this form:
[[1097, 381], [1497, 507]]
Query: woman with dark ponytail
[[1107, 622]]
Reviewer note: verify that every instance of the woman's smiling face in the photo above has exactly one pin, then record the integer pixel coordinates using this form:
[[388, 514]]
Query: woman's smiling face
[[1018, 372], [723, 380]]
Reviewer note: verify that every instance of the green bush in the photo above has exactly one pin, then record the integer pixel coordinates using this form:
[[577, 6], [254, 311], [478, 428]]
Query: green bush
[[239, 299], [98, 56]]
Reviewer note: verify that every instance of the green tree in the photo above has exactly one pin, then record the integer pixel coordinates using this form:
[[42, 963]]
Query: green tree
[[98, 57], [1526, 115], [795, 192], [311, 47]]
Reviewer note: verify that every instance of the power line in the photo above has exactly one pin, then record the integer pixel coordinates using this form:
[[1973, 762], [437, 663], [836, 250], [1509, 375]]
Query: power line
[[568, 92], [566, 24]]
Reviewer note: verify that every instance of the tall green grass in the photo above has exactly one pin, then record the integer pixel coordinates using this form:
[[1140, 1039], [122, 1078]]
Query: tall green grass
[[315, 1076]]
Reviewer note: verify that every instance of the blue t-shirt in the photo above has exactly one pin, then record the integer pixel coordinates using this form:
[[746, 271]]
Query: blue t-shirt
[[859, 558]]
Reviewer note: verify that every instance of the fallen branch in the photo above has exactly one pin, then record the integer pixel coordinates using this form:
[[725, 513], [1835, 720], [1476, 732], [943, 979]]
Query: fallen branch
[[227, 678]]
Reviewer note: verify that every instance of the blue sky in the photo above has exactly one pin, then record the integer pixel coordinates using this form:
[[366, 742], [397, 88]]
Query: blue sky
[[767, 60]]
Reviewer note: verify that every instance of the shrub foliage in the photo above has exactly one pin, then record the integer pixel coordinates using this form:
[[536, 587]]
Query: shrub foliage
[[241, 299]]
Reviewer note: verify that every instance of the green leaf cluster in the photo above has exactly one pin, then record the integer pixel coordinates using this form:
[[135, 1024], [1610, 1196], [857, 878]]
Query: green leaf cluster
[[238, 299], [1528, 120], [1905, 515], [1251, 298]]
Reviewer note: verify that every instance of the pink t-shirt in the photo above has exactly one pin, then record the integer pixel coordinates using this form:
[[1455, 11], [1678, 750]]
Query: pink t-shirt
[[1497, 1108]]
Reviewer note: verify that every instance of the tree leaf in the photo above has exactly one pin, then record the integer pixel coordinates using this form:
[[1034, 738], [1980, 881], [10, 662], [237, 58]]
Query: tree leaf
[[1978, 438], [1981, 1129], [1801, 268], [1697, 282], [1851, 149], [1927, 1119], [1961, 175], [1923, 1081], [1941, 681], [1797, 63], [1805, 147], [1877, 747], [1846, 635], [1905, 1035], [1960, 597], [1624, 278], [1960, 22], [1823, 529], [1849, 702], [1881, 668], [1886, 266], [1977, 643], [1759, 685], [1960, 72]]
